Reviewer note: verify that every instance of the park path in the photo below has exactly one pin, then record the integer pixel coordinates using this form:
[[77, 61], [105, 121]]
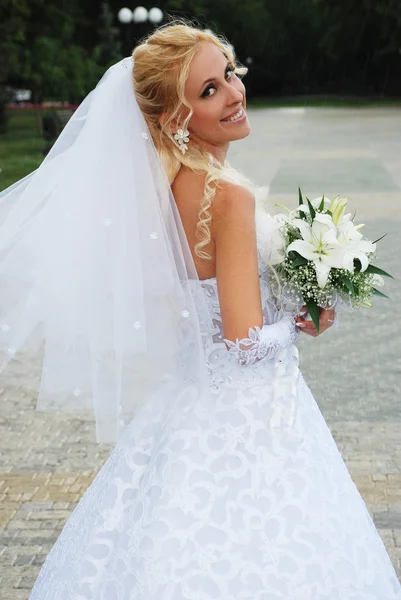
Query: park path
[[48, 460]]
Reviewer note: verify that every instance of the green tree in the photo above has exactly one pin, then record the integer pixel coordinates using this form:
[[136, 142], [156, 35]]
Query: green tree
[[47, 60], [109, 47], [13, 21]]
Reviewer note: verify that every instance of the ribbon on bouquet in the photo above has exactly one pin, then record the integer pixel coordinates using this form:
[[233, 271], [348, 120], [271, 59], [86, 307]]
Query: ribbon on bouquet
[[285, 393]]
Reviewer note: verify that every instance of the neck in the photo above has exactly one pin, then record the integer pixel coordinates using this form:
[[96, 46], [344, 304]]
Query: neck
[[218, 151]]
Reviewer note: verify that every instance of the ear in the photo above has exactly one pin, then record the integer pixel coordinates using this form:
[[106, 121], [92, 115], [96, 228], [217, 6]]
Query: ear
[[173, 125]]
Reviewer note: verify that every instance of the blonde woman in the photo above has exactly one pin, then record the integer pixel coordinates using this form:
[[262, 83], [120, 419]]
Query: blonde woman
[[225, 482]]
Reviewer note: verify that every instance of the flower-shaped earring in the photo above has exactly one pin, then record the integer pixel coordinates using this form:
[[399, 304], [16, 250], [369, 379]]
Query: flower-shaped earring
[[182, 137]]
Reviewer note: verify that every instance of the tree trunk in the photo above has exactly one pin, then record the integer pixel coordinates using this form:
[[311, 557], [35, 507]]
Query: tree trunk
[[37, 113]]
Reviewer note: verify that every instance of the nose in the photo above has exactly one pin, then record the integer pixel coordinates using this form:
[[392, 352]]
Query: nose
[[236, 94]]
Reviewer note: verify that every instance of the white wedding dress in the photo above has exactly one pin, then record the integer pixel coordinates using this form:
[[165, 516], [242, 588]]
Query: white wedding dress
[[205, 500]]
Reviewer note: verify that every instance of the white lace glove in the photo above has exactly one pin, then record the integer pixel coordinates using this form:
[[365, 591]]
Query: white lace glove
[[264, 343]]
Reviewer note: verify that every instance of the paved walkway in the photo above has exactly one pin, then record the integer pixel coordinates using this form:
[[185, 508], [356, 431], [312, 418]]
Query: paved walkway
[[48, 460]]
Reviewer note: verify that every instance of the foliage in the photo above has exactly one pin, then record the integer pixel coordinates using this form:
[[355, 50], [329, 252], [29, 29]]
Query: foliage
[[108, 50], [297, 47]]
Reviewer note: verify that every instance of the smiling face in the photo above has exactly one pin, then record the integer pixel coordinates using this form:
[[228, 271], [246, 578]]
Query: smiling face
[[217, 97]]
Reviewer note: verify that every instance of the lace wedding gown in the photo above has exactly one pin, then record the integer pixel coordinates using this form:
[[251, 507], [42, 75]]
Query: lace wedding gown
[[208, 501]]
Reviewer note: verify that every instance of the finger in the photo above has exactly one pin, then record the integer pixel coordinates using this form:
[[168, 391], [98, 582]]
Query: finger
[[325, 319], [310, 328], [307, 327], [307, 324]]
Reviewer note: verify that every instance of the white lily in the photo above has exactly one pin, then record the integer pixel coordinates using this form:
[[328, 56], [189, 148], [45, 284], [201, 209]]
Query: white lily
[[320, 245], [353, 243], [337, 209], [347, 232]]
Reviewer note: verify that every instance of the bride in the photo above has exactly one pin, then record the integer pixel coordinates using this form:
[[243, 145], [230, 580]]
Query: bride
[[155, 311]]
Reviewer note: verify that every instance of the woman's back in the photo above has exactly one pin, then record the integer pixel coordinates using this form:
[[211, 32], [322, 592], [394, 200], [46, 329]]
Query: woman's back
[[233, 249], [188, 190]]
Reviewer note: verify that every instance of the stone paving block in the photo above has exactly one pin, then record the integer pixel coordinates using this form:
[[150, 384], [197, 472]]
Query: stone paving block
[[14, 594], [23, 549], [10, 580], [6, 560], [27, 583], [22, 525], [61, 505], [387, 535], [379, 477], [36, 505], [390, 519], [23, 560], [50, 515]]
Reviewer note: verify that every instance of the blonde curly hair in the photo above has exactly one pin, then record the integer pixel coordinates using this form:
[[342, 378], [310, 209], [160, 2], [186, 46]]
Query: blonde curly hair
[[161, 66]]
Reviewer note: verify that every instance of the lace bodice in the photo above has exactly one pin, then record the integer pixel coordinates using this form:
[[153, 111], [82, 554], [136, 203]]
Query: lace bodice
[[258, 351]]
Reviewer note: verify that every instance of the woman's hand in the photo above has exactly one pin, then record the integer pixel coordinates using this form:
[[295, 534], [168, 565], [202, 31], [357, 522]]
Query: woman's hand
[[326, 320]]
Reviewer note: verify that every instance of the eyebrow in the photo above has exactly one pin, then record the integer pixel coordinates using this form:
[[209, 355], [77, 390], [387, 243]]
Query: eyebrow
[[213, 78]]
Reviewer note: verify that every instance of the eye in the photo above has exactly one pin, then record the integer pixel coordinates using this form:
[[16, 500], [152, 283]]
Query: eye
[[229, 72], [205, 93], [228, 76]]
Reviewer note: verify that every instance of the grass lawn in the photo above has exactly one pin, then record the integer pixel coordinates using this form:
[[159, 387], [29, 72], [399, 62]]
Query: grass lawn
[[20, 147]]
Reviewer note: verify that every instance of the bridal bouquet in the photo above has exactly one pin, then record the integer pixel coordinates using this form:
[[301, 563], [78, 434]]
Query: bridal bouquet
[[321, 258]]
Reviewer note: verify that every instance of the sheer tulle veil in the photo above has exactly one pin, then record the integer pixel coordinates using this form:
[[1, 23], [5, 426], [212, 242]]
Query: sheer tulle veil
[[97, 281]]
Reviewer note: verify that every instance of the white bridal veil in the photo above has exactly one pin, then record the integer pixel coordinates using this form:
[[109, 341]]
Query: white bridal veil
[[96, 275]]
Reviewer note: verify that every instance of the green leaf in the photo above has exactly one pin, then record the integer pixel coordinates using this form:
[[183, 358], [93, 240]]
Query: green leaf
[[380, 238], [311, 209], [299, 261], [313, 310], [378, 293], [373, 269], [300, 199], [321, 205], [357, 265], [328, 212], [348, 284]]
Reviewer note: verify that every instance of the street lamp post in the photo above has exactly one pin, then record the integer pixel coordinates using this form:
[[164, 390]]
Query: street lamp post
[[139, 17]]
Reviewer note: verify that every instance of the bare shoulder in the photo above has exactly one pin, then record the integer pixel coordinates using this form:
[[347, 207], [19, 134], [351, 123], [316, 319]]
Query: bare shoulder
[[232, 203], [234, 217], [187, 183]]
